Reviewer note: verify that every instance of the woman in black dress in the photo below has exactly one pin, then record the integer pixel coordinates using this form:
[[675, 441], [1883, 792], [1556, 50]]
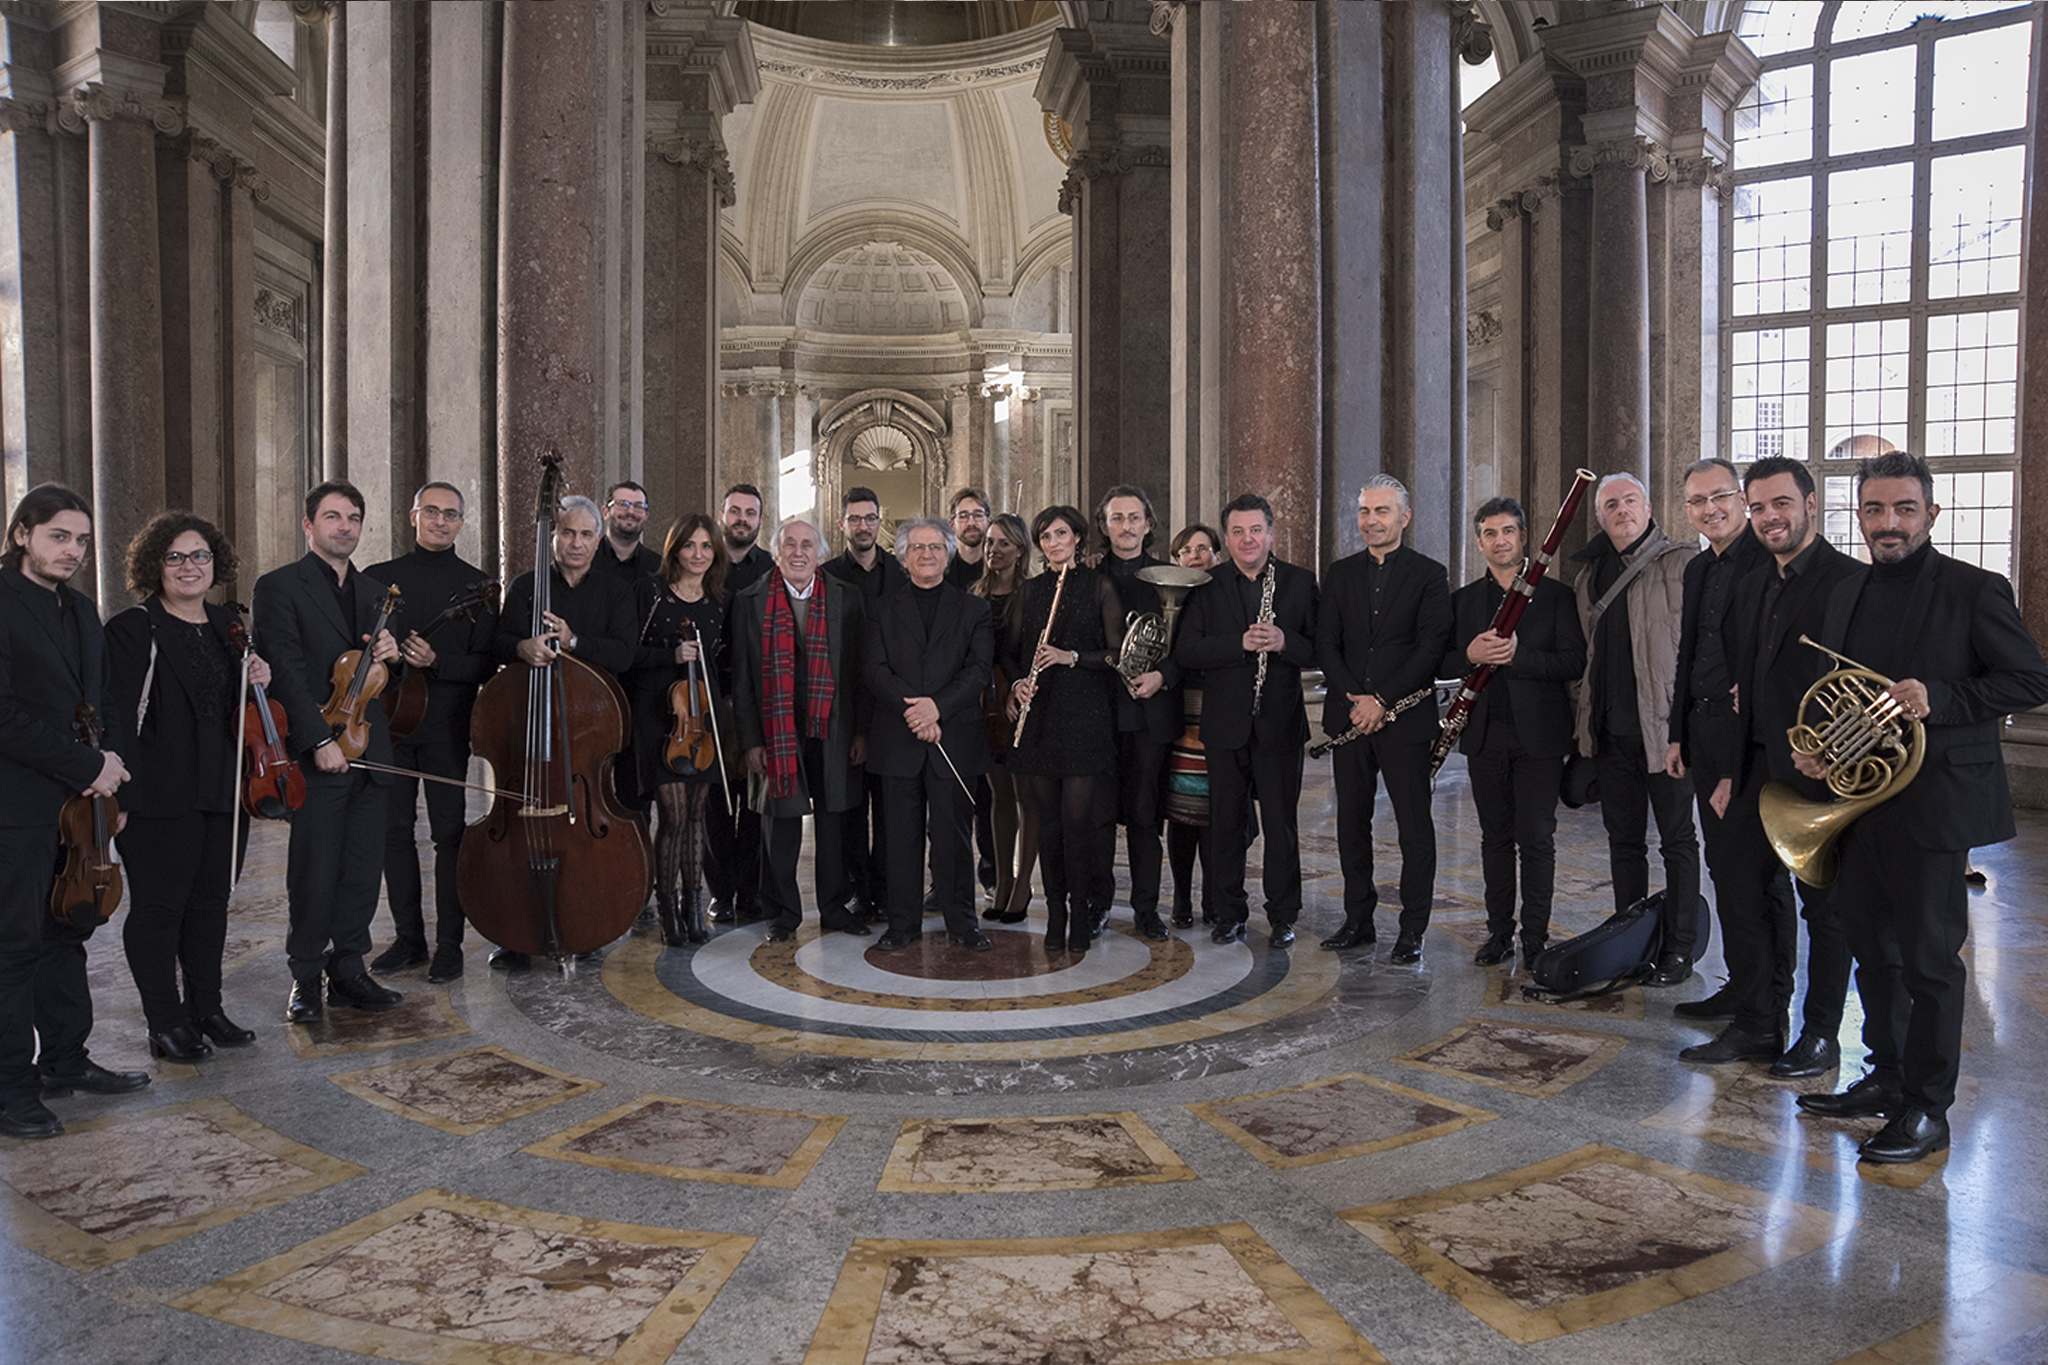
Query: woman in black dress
[[174, 684], [682, 613], [1013, 813], [1067, 754]]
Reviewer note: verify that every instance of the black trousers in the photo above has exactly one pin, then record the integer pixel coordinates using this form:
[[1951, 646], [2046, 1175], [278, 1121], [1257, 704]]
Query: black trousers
[[1911, 918], [1629, 794], [1269, 772], [43, 992], [863, 844], [935, 805], [445, 820], [732, 849], [1141, 772], [782, 843], [178, 871], [1358, 768], [332, 872], [1516, 796]]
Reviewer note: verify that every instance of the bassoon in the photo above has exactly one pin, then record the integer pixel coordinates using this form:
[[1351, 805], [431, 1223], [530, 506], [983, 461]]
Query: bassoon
[[1520, 593]]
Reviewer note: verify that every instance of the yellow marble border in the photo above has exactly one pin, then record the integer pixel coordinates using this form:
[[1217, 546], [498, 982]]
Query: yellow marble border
[[454, 1026], [352, 1081], [1167, 962], [239, 1298], [629, 977], [791, 1175], [849, 1320], [1209, 1112], [1804, 1229], [1610, 1048], [899, 1174], [36, 1228], [2010, 1307]]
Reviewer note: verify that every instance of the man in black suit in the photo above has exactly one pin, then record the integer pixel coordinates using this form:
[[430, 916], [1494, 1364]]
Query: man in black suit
[[930, 650], [1253, 727], [1951, 635], [52, 659], [308, 614], [1517, 736], [454, 664], [874, 573], [732, 838], [1148, 711], [1385, 625], [621, 553]]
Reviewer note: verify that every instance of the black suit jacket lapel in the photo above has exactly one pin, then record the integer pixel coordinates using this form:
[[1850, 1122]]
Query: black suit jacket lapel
[[1841, 606], [318, 581]]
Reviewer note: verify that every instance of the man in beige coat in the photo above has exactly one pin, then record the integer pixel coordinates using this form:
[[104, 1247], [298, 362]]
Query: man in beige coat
[[1631, 596]]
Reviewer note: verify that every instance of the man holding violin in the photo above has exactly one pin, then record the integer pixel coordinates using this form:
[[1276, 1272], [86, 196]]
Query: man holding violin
[[451, 656], [308, 615], [52, 659]]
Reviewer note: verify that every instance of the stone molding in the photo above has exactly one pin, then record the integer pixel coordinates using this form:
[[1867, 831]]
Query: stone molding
[[1524, 202], [1635, 153], [1471, 35], [923, 80], [277, 312], [1483, 328], [95, 103], [701, 153], [227, 168], [1116, 159]]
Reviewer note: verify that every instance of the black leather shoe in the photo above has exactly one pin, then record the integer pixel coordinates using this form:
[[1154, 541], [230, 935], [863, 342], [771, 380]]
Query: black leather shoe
[[895, 940], [721, 912], [1183, 919], [1719, 1005], [1912, 1135], [1812, 1055], [1079, 938], [1734, 1045], [225, 1032], [845, 924], [1868, 1098], [778, 934], [1531, 947], [1152, 927], [1494, 952], [505, 960], [446, 966], [26, 1117], [1672, 969], [1406, 950], [180, 1044], [1283, 937], [1227, 931], [1351, 936], [357, 991], [95, 1080], [305, 1006], [400, 955], [973, 939]]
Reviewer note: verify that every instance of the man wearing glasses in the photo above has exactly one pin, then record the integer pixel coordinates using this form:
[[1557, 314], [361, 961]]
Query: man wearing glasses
[[969, 514], [873, 573], [455, 663], [620, 553]]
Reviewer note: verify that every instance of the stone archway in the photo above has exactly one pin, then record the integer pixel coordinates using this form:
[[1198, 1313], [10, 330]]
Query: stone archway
[[888, 440]]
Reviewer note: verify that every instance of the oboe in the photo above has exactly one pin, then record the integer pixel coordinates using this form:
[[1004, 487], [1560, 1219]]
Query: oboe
[[1415, 698], [1044, 639], [1265, 619]]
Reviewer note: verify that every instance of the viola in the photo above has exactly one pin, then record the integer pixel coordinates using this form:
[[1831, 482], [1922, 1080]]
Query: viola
[[90, 883], [273, 784], [406, 705], [358, 679]]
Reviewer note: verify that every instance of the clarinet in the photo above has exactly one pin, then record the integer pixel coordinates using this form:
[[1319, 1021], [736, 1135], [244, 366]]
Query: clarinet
[[1265, 619], [1415, 698], [1044, 639]]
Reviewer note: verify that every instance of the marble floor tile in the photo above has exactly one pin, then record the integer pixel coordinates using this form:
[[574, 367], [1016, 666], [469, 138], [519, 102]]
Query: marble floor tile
[[117, 1186], [2003, 1324], [1529, 1060], [1216, 1294], [1593, 1237], [464, 1092], [690, 1140], [422, 1016], [440, 1278], [1331, 1119], [1504, 985], [1020, 1155]]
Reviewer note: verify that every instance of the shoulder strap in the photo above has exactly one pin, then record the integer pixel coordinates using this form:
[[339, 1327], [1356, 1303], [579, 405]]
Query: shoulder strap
[[1620, 585], [148, 682]]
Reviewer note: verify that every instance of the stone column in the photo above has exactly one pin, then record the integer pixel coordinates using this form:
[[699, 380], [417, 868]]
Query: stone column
[[333, 436], [1195, 420], [2031, 571], [32, 363]]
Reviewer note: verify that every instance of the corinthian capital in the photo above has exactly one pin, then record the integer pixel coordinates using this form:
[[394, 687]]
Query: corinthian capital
[[96, 104], [1115, 159], [1636, 153], [22, 116], [1471, 36], [701, 153], [1706, 172]]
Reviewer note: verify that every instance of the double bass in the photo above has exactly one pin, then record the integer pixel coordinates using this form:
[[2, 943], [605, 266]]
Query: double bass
[[563, 869]]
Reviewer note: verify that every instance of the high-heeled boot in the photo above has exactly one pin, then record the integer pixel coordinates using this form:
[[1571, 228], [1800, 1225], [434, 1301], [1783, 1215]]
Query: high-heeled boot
[[1056, 925], [693, 917], [670, 911]]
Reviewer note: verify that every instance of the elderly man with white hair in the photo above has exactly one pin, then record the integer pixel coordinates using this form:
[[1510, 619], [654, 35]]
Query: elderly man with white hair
[[1631, 597], [802, 714]]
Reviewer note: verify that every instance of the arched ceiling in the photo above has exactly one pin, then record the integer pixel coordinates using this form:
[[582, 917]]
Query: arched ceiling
[[891, 23], [882, 289]]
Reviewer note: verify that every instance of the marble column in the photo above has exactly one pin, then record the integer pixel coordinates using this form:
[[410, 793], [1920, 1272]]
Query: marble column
[[333, 437], [191, 173], [32, 365], [1619, 364], [2031, 571], [1195, 419]]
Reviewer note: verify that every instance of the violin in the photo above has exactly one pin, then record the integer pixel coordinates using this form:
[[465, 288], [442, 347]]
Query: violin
[[406, 706], [358, 679], [695, 745], [90, 883], [273, 784]]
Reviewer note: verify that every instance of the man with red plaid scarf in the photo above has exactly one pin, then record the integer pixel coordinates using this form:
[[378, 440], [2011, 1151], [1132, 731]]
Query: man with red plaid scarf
[[802, 717]]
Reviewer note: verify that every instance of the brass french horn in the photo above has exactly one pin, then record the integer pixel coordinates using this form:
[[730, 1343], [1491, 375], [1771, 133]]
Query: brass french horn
[[1873, 749], [1148, 636]]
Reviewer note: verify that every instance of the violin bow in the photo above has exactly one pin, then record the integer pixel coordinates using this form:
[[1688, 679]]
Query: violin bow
[[711, 695], [235, 767]]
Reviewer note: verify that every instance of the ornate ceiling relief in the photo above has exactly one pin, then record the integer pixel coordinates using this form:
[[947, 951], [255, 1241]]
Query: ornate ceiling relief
[[923, 80]]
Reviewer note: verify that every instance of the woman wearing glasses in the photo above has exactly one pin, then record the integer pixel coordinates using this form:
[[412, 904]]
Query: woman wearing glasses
[[175, 683]]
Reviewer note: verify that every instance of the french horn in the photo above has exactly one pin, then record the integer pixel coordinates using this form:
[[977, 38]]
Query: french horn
[[1873, 749], [1148, 636]]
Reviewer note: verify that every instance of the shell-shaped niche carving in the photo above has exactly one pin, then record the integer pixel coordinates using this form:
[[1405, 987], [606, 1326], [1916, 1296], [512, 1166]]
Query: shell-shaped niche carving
[[882, 448]]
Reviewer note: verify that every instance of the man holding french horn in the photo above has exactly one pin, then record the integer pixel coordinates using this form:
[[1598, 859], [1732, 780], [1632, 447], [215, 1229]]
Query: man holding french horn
[[1951, 636]]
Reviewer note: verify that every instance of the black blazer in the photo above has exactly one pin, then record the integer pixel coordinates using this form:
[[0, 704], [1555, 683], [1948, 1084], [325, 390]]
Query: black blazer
[[1773, 684], [1962, 636], [1550, 652], [951, 665], [1745, 556], [1212, 643], [1397, 658], [1163, 714], [42, 764], [165, 752], [300, 632]]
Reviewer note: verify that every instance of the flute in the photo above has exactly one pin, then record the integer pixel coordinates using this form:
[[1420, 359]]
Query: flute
[[1044, 639]]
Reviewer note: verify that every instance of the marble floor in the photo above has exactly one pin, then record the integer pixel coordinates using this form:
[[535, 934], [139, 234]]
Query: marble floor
[[813, 1152]]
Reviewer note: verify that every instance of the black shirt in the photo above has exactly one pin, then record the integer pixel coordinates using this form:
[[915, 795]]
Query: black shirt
[[1500, 707], [965, 573], [744, 572], [1774, 588], [1614, 681], [430, 580], [1711, 677], [643, 563], [599, 611], [873, 584], [927, 600], [1873, 635], [345, 598]]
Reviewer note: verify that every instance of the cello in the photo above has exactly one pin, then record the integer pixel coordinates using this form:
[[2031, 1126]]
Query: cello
[[90, 883], [564, 868]]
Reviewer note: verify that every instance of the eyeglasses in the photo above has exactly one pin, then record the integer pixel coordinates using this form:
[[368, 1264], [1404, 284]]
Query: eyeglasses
[[624, 505], [964, 515], [179, 558], [869, 519], [438, 513], [926, 547], [1719, 499]]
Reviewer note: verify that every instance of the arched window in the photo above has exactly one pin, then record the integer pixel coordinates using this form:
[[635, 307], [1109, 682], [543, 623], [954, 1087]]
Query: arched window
[[1871, 252]]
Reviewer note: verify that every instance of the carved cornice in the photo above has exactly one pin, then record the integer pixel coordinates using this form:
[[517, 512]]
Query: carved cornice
[[1164, 14], [1483, 328], [1635, 153], [1471, 36], [1116, 159], [1705, 172], [95, 103], [278, 313], [922, 80], [227, 168], [1523, 202], [701, 153]]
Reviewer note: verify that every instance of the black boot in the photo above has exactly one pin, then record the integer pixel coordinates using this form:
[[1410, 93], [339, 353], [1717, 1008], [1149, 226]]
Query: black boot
[[1056, 925], [693, 918], [671, 919]]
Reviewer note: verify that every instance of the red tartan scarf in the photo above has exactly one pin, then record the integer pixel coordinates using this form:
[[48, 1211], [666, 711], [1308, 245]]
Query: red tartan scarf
[[778, 681]]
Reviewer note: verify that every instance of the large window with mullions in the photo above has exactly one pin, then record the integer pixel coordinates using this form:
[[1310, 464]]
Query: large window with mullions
[[1872, 251]]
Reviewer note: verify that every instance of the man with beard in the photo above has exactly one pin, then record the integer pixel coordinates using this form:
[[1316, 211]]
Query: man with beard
[[969, 514], [620, 553], [873, 572], [732, 838]]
